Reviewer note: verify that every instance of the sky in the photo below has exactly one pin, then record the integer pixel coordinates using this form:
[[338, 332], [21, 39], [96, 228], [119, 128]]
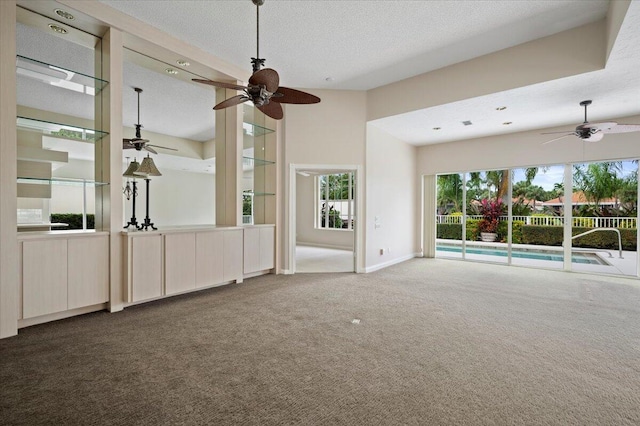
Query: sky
[[554, 174]]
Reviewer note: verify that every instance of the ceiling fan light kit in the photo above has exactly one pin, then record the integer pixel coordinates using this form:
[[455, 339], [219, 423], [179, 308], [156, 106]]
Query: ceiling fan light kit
[[264, 89], [594, 132], [138, 143]]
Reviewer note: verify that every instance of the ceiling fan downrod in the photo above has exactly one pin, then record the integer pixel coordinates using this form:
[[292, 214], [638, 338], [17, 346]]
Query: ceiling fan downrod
[[585, 104], [256, 62], [138, 126]]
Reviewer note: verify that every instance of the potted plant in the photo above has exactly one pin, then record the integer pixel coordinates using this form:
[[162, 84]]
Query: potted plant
[[491, 210]]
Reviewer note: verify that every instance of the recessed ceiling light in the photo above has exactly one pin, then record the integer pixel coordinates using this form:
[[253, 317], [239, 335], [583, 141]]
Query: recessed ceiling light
[[171, 71], [57, 29], [182, 63], [64, 14], [436, 128], [329, 79], [502, 108], [467, 123], [506, 123]]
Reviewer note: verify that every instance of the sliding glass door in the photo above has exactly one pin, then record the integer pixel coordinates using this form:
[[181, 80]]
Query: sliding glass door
[[521, 216]]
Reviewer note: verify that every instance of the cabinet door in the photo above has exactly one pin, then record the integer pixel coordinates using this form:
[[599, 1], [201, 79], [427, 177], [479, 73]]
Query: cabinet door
[[88, 273], [44, 275], [179, 262], [251, 250], [209, 258], [267, 248], [232, 257], [146, 259]]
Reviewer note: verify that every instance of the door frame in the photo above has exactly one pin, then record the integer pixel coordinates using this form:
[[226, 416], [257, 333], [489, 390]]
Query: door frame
[[358, 231]]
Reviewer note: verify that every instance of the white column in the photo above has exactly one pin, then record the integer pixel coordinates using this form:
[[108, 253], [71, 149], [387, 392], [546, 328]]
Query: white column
[[8, 173]]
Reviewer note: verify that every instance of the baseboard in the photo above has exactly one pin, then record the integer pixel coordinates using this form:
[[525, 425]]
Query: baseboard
[[28, 322], [391, 262], [287, 272], [328, 246]]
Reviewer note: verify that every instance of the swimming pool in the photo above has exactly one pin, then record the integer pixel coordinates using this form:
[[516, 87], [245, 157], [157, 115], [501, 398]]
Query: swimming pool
[[535, 254]]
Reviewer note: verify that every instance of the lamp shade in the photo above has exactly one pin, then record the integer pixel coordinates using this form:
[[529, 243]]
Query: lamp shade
[[133, 167], [147, 168]]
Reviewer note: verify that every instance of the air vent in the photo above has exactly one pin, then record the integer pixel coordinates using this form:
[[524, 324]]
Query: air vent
[[467, 123]]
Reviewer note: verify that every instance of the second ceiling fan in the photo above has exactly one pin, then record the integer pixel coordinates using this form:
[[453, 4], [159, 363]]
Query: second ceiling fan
[[264, 88]]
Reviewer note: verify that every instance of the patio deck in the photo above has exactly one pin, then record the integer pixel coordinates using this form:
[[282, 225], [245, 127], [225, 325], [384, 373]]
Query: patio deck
[[613, 264]]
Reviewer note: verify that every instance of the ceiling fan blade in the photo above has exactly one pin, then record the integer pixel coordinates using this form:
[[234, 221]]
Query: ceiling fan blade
[[561, 137], [219, 84], [160, 146], [238, 99], [272, 109], [151, 150], [623, 128], [267, 77], [557, 133], [126, 144], [293, 96]]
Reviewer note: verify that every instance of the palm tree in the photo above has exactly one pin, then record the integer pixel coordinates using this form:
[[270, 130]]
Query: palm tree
[[450, 191]]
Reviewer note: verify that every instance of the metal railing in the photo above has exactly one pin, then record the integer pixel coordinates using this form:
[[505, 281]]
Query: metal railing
[[591, 231], [585, 222]]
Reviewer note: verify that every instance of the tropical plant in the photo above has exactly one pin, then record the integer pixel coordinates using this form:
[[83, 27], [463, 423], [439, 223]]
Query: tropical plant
[[491, 210], [449, 193], [332, 215]]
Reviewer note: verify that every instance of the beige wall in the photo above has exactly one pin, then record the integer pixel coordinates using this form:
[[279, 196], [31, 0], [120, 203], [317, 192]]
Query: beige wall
[[549, 58], [525, 149], [332, 132], [392, 199]]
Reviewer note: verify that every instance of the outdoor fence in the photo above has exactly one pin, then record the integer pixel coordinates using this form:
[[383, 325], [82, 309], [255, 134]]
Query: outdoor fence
[[586, 222]]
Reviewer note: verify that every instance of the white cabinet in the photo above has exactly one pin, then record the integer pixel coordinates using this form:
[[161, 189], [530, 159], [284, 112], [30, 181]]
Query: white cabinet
[[88, 274], [146, 267], [60, 274], [209, 258], [267, 247], [179, 262], [232, 259], [44, 277], [258, 248]]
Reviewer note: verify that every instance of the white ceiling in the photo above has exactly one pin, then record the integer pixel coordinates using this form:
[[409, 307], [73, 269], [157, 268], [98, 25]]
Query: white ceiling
[[365, 44], [361, 45]]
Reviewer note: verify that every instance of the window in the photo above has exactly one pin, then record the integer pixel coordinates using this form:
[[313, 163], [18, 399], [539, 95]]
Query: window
[[334, 201]]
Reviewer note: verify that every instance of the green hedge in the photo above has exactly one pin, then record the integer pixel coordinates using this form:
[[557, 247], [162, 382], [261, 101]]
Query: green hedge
[[73, 219], [552, 236], [543, 235]]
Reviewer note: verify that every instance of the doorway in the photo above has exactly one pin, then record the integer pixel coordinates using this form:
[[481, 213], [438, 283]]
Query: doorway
[[323, 219]]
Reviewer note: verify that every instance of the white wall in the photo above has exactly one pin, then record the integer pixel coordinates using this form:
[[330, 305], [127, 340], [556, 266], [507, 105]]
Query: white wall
[[525, 149], [392, 198], [332, 132], [306, 233], [176, 198]]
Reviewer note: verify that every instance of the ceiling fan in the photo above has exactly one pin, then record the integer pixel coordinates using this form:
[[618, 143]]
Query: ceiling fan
[[264, 86], [138, 143], [593, 132]]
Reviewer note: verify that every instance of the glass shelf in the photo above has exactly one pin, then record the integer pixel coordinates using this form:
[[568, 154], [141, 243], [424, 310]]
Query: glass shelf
[[58, 76], [250, 161], [254, 193], [255, 130], [60, 181], [49, 128]]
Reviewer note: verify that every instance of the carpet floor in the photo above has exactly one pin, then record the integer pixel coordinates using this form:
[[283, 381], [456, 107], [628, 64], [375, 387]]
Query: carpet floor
[[424, 342]]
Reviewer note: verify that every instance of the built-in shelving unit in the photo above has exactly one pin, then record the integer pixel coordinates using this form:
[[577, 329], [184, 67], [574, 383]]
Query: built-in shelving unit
[[258, 165], [50, 128], [58, 133]]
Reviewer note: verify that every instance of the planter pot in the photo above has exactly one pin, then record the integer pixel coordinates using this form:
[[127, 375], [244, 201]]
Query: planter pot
[[488, 237]]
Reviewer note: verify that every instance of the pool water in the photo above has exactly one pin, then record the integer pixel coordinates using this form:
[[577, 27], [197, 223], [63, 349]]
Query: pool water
[[585, 258]]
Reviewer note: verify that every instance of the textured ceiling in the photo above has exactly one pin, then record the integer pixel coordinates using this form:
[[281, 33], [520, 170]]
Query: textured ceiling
[[359, 44], [365, 44]]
